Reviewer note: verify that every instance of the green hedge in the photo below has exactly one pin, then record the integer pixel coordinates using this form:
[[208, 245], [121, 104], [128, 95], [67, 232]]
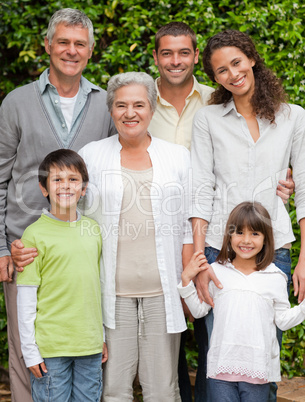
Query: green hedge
[[124, 32]]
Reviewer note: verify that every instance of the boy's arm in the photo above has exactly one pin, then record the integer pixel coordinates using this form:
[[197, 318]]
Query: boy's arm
[[26, 309]]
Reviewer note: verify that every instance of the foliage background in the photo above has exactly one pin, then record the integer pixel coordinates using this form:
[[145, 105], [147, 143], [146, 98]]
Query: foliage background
[[124, 33]]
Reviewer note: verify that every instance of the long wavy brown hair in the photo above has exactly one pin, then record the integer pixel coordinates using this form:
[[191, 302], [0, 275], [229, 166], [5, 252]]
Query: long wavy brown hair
[[268, 93]]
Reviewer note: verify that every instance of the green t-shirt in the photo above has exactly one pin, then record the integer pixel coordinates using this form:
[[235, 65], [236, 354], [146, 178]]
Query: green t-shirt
[[67, 271]]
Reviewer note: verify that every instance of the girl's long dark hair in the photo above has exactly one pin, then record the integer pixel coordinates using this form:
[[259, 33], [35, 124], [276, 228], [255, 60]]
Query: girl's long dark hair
[[255, 217], [268, 93]]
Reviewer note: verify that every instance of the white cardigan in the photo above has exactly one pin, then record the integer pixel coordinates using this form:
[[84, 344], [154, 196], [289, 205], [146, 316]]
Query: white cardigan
[[246, 313], [170, 206]]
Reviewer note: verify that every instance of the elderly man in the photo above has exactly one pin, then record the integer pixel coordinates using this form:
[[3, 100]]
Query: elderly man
[[60, 110]]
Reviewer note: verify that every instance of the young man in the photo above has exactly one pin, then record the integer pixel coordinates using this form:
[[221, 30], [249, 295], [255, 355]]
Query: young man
[[179, 97], [179, 93], [60, 110]]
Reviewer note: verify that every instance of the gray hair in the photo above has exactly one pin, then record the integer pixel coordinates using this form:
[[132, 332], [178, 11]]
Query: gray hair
[[70, 17], [122, 80]]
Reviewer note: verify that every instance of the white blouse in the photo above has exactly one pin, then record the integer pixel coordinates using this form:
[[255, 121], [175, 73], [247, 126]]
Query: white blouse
[[246, 313], [170, 206], [229, 167]]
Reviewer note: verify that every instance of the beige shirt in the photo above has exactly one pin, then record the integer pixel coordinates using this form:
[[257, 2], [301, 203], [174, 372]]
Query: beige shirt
[[137, 273], [166, 122]]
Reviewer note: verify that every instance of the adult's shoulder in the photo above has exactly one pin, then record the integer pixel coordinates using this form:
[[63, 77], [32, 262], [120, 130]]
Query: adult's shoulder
[[169, 147], [94, 147], [19, 95], [210, 111], [205, 88], [290, 111]]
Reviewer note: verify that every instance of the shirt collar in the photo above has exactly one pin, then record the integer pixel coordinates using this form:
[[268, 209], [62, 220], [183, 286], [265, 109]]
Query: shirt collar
[[85, 85], [229, 106], [196, 88], [118, 145]]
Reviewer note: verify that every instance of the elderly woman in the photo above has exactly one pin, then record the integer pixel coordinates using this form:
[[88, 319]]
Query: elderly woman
[[138, 194]]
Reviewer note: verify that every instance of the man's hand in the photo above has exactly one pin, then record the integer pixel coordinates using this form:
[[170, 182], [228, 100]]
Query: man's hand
[[105, 353], [6, 269], [286, 187], [22, 256], [202, 285], [36, 370], [298, 279]]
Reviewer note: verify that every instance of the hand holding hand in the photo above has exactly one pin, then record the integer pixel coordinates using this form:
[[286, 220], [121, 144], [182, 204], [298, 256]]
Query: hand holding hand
[[202, 285], [197, 264]]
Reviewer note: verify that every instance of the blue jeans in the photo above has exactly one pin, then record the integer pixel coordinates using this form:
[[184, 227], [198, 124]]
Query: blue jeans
[[227, 391], [283, 261], [69, 379]]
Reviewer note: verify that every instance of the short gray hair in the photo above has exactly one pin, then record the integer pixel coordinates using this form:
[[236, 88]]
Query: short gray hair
[[70, 17], [122, 80]]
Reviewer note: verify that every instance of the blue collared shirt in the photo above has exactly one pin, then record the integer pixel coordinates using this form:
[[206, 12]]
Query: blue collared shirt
[[51, 100]]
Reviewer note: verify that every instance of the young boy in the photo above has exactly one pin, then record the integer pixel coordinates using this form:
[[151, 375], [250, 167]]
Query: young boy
[[59, 295]]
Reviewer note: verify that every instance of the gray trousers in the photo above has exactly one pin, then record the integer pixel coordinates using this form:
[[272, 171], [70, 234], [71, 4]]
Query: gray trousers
[[19, 374], [140, 343]]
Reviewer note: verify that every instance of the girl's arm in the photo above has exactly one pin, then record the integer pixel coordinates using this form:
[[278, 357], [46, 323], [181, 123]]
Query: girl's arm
[[191, 299], [285, 316]]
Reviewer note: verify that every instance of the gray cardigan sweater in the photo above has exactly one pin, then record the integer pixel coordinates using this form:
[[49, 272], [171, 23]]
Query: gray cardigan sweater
[[27, 135]]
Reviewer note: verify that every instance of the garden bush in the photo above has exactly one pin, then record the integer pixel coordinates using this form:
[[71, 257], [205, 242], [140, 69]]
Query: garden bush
[[124, 33]]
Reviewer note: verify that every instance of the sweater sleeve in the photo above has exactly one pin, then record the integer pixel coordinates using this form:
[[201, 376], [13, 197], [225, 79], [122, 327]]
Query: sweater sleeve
[[191, 299], [9, 141], [26, 309]]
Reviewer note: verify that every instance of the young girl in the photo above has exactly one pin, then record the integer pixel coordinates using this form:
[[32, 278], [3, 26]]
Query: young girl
[[243, 357]]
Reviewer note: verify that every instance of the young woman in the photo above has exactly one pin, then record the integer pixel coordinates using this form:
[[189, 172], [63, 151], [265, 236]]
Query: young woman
[[242, 145], [244, 355]]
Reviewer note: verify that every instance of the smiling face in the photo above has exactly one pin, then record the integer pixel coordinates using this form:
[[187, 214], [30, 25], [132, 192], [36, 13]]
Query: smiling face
[[131, 112], [69, 52], [233, 70], [64, 188], [176, 59], [246, 243]]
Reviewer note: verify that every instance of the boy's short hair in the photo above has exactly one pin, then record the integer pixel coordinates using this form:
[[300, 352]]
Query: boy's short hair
[[175, 28], [62, 158]]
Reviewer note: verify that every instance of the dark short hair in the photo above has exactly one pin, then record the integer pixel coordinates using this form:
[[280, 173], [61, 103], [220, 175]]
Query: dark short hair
[[254, 216], [62, 158], [175, 28]]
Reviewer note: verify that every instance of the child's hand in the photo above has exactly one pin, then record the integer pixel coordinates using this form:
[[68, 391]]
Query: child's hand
[[197, 264], [104, 353], [38, 369]]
